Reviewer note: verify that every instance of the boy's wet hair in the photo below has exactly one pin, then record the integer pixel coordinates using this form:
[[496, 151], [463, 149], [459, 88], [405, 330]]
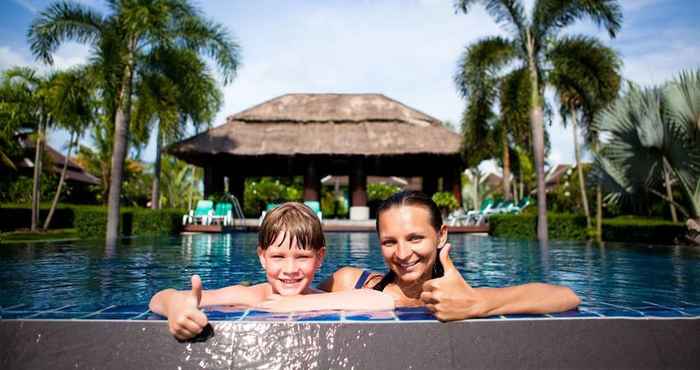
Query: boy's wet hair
[[297, 221]]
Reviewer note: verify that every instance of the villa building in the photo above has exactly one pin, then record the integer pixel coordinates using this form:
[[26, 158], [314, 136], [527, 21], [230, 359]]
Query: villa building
[[317, 135]]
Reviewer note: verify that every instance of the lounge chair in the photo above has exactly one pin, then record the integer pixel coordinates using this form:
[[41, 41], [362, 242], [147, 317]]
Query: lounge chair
[[223, 214], [201, 214], [316, 207], [517, 208], [268, 208]]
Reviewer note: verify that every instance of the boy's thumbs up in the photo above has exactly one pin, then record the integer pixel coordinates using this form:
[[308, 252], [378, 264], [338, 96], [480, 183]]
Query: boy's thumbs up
[[197, 288]]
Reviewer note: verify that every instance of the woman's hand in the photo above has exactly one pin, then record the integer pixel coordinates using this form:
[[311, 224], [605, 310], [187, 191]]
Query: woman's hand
[[185, 319], [450, 297]]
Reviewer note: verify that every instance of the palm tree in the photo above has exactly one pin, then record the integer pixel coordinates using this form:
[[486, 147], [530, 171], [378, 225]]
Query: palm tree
[[176, 89], [71, 95], [529, 40], [649, 132], [132, 30], [26, 104], [586, 76]]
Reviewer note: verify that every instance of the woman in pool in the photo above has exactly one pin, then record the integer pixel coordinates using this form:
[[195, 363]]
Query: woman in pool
[[414, 245]]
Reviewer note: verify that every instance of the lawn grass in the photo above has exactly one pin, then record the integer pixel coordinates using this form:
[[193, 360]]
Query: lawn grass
[[28, 236]]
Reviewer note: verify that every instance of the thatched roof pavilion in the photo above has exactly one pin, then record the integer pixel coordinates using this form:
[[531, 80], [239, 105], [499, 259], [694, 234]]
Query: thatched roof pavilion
[[326, 134]]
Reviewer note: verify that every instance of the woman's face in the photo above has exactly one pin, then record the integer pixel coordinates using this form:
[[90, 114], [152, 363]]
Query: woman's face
[[409, 242]]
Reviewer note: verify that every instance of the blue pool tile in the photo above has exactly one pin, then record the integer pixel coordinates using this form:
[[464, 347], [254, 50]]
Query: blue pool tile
[[692, 311], [574, 313], [56, 316], [254, 315], [662, 313], [618, 313], [370, 316], [83, 308], [316, 316], [154, 316], [109, 316], [132, 309], [8, 315], [523, 316], [414, 314], [224, 313]]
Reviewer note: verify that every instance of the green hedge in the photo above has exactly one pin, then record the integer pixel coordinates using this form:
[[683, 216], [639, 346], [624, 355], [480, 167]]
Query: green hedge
[[651, 231], [524, 226], [573, 227], [16, 217], [92, 223]]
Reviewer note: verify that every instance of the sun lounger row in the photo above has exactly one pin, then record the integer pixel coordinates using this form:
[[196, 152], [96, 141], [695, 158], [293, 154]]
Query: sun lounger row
[[205, 213], [488, 207]]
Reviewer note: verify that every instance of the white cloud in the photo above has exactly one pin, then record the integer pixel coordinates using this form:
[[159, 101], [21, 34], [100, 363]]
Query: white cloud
[[10, 58]]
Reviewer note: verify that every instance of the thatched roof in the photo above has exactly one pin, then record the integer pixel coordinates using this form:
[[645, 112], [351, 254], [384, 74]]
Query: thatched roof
[[323, 124]]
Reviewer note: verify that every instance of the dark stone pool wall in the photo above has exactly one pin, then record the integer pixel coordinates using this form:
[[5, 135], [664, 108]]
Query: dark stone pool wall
[[522, 344]]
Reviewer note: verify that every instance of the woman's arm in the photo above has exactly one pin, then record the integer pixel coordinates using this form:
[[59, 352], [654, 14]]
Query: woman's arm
[[451, 298], [356, 299]]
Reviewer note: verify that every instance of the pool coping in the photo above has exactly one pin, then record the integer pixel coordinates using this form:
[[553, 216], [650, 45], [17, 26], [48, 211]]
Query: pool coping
[[515, 343]]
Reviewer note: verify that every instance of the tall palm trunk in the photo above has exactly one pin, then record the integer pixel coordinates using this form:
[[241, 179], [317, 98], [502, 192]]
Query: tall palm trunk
[[579, 168], [121, 132], [599, 213], [507, 194], [56, 196], [537, 123], [155, 193], [669, 190], [36, 180]]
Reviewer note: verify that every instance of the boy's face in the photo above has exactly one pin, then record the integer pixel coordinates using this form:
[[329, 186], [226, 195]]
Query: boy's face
[[289, 268]]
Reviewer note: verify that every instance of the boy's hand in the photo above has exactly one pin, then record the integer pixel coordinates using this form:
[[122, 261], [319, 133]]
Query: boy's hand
[[185, 320], [450, 297]]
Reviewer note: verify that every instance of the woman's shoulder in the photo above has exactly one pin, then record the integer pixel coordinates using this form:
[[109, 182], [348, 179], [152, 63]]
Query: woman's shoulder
[[345, 278]]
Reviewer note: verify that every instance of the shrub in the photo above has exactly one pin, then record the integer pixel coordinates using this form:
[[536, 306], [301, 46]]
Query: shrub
[[156, 222], [91, 222], [643, 230], [445, 200], [379, 192], [562, 226], [16, 217]]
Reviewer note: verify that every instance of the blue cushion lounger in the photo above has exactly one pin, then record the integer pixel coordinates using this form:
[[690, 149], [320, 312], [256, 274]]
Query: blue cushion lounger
[[223, 214], [202, 213], [316, 207]]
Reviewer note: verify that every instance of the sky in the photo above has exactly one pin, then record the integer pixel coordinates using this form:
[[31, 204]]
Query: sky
[[405, 49]]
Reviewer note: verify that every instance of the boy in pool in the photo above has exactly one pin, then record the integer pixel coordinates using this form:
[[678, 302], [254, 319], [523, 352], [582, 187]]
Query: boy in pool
[[291, 247]]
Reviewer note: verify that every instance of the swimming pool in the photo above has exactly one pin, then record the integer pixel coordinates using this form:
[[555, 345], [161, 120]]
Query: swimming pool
[[80, 279]]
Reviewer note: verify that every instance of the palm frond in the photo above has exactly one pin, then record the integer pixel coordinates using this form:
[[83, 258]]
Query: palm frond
[[480, 65], [509, 14], [549, 16], [63, 21]]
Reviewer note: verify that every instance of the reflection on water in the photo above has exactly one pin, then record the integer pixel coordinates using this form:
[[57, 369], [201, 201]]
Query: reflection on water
[[54, 275]]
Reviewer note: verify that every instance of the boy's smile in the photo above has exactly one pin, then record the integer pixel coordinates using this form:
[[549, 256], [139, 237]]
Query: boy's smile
[[289, 268]]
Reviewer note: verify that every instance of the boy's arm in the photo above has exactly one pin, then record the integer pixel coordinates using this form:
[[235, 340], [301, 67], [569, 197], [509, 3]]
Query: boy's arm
[[182, 308], [357, 299]]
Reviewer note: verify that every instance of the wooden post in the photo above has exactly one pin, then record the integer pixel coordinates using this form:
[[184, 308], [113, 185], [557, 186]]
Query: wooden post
[[236, 186], [452, 183], [430, 185], [358, 185], [312, 182], [213, 181]]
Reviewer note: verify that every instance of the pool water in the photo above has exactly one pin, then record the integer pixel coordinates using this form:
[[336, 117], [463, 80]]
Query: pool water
[[58, 280]]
